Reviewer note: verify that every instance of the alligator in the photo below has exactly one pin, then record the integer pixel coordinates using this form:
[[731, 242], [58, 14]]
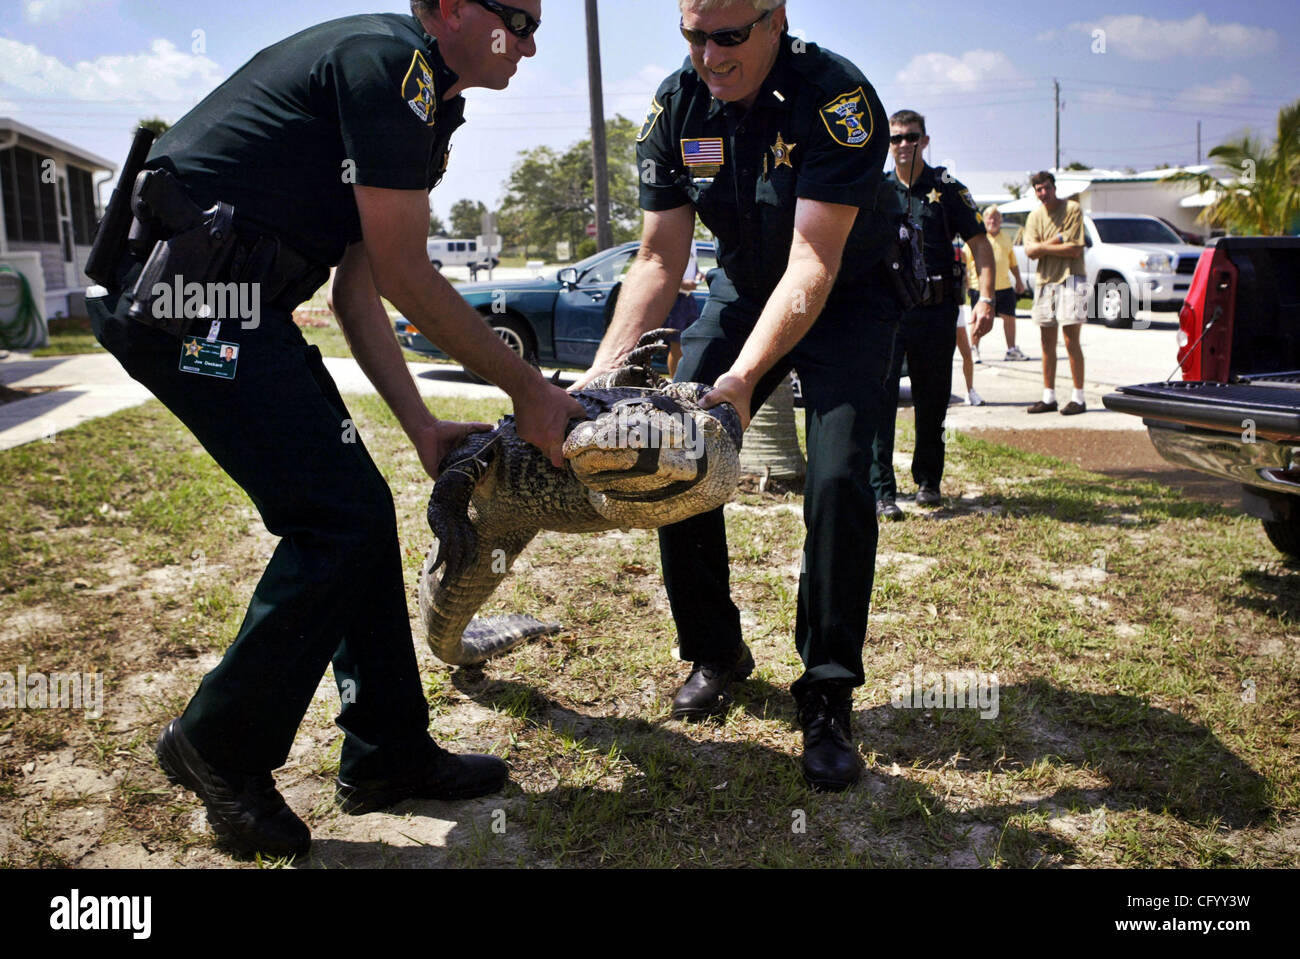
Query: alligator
[[648, 455]]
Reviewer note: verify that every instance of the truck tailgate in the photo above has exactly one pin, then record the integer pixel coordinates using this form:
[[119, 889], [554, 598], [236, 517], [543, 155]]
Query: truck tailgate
[[1273, 410]]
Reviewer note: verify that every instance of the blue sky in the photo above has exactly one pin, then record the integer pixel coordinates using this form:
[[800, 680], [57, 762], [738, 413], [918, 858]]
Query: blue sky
[[86, 70]]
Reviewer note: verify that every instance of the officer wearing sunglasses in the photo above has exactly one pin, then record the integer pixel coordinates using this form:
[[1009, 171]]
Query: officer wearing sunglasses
[[944, 208], [779, 147], [326, 146]]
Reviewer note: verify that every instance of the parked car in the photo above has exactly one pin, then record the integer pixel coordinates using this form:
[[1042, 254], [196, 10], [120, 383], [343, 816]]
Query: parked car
[[1236, 412], [1132, 261], [558, 318]]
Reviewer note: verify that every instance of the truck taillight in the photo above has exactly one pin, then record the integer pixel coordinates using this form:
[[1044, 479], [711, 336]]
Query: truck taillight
[[1206, 318]]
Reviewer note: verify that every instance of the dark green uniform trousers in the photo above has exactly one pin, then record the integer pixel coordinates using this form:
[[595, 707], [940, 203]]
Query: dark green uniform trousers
[[843, 363], [333, 588], [927, 337]]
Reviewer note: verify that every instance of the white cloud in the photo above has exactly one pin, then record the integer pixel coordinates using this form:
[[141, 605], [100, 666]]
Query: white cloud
[[1225, 91], [939, 73], [52, 11], [162, 74], [1145, 38], [639, 87]]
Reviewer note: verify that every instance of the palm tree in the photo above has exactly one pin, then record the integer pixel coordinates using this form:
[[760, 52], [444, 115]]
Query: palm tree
[[771, 448], [1263, 199]]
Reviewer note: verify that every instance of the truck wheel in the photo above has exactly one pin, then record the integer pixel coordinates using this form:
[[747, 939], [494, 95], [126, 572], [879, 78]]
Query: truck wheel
[[1115, 303], [515, 333], [437, 265], [1285, 535]]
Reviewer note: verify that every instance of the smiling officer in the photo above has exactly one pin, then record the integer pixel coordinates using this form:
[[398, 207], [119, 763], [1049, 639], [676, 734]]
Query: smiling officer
[[928, 332], [779, 146], [320, 151]]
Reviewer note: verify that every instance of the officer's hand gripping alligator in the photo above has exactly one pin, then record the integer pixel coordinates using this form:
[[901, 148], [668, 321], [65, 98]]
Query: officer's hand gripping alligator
[[648, 456]]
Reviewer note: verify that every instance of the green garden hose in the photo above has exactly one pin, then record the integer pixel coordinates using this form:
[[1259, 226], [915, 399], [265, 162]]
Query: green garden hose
[[21, 326]]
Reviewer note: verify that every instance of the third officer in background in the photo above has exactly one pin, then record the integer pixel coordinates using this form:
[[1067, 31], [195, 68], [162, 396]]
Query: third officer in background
[[928, 333]]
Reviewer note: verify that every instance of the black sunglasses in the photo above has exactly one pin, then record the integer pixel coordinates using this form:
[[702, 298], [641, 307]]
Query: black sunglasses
[[519, 22], [723, 38], [910, 137]]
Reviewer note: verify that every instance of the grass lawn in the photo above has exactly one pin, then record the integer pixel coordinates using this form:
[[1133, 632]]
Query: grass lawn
[[1145, 647]]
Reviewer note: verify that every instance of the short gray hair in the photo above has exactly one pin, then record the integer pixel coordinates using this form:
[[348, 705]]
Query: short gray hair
[[707, 6]]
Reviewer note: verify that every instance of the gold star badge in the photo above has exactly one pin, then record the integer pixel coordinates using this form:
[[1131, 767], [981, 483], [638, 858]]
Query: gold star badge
[[933, 196], [193, 348], [781, 152]]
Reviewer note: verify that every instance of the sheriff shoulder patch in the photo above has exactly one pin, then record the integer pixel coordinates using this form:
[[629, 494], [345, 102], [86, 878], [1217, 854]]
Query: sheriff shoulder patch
[[651, 118], [966, 197], [848, 118], [418, 91]]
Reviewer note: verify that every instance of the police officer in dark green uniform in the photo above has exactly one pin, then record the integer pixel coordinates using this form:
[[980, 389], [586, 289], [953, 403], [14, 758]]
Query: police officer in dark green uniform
[[326, 146], [928, 333], [779, 146]]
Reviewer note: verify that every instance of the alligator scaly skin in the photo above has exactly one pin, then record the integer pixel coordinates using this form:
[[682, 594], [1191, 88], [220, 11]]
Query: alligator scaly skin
[[496, 492]]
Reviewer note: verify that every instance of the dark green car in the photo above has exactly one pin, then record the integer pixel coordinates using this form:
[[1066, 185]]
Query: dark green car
[[557, 319]]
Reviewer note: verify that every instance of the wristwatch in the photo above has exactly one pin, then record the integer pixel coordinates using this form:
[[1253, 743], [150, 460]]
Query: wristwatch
[[985, 299]]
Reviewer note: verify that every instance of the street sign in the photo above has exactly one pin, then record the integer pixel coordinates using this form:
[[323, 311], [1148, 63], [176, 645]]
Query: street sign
[[591, 229]]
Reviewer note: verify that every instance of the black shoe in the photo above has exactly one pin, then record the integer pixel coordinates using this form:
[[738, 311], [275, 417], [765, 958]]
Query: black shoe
[[886, 508], [830, 762], [1041, 407], [246, 811], [445, 776], [928, 496], [705, 692], [1073, 409]]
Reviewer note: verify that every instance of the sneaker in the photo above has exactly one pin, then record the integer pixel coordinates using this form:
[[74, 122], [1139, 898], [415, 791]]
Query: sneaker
[[973, 399], [1014, 354], [1041, 407], [975, 353], [1074, 409]]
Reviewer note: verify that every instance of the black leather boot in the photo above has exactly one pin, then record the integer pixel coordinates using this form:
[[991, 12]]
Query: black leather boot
[[705, 692], [830, 762], [246, 812]]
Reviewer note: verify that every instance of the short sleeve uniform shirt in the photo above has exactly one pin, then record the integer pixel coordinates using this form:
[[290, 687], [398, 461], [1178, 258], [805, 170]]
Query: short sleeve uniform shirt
[[945, 209], [353, 101], [816, 131]]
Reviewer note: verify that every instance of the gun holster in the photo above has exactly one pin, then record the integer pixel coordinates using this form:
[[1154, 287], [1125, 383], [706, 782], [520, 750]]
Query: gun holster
[[180, 243]]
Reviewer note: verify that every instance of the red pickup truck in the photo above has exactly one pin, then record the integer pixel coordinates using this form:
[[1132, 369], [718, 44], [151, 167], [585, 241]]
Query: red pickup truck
[[1236, 412]]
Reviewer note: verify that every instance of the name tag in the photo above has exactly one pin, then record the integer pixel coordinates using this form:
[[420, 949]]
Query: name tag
[[209, 357]]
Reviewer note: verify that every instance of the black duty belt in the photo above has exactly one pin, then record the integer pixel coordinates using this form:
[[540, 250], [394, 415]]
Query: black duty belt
[[173, 237]]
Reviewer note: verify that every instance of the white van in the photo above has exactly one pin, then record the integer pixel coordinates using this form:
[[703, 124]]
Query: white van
[[454, 252]]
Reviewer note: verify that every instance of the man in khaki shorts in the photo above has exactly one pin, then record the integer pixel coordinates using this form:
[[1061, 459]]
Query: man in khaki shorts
[[1054, 237]]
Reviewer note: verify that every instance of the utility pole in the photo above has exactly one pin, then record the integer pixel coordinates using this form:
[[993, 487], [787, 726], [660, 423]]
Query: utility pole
[[1198, 142], [1056, 87], [599, 159]]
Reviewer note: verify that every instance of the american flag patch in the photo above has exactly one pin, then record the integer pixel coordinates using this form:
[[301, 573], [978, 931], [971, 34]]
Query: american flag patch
[[702, 152]]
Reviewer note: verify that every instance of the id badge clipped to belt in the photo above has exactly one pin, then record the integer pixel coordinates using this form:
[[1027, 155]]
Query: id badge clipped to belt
[[209, 356]]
